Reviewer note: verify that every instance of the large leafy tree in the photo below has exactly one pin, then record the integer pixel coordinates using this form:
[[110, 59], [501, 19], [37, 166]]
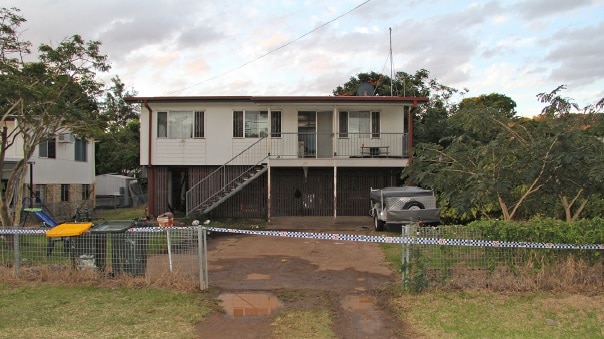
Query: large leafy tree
[[43, 98], [497, 165], [578, 174], [118, 148]]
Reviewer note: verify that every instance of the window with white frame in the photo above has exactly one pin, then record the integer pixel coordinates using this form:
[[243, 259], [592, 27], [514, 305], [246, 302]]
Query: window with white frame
[[64, 192], [359, 122], [48, 149], [254, 124], [180, 124], [85, 190], [81, 150]]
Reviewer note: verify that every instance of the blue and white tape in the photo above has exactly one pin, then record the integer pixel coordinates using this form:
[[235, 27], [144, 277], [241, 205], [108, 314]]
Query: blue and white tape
[[353, 237]]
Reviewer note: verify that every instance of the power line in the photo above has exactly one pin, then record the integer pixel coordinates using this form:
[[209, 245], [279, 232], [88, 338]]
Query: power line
[[274, 50]]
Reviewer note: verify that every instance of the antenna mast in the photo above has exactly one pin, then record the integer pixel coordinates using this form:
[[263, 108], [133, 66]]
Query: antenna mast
[[390, 29]]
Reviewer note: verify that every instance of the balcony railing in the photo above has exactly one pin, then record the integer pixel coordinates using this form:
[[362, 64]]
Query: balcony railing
[[335, 145]]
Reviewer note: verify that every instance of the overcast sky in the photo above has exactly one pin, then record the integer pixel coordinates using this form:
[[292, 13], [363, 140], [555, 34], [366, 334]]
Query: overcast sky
[[309, 47]]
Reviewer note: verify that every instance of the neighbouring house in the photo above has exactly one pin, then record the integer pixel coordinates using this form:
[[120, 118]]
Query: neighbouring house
[[263, 156], [61, 171]]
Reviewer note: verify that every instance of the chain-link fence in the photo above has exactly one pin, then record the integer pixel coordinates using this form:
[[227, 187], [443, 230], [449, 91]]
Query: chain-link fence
[[458, 257], [447, 257], [112, 248]]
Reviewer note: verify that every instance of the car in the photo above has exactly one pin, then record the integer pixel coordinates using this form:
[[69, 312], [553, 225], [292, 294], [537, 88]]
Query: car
[[402, 206]]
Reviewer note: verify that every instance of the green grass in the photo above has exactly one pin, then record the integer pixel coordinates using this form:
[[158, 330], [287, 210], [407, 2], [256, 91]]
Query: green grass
[[49, 311], [500, 315], [119, 213], [314, 323]]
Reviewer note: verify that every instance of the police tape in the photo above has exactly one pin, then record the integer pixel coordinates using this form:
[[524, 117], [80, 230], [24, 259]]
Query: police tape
[[412, 240], [352, 237]]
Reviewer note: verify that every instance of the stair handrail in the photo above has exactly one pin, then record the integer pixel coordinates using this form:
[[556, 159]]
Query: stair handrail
[[260, 144]]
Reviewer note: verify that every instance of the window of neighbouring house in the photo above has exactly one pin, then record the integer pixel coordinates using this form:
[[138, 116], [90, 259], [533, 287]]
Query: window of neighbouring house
[[64, 192], [276, 124], [85, 191], [181, 124], [40, 193], [48, 149], [250, 124], [81, 150], [359, 122]]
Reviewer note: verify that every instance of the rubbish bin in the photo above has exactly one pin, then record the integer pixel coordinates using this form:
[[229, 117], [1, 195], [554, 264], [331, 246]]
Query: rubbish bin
[[128, 249], [86, 250]]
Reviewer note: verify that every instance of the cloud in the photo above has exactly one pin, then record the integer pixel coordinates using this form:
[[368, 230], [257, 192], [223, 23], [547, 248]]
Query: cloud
[[539, 9], [578, 55]]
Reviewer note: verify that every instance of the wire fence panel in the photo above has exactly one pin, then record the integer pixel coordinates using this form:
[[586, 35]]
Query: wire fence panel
[[167, 255], [477, 265], [449, 257]]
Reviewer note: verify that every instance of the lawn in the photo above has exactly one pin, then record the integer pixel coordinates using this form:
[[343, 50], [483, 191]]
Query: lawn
[[51, 311], [482, 314], [46, 311]]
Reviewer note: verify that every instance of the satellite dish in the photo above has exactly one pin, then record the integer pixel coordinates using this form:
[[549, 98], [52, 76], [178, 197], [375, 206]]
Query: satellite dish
[[365, 89]]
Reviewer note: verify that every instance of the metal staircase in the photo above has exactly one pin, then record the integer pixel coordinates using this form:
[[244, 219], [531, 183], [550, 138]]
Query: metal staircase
[[228, 179]]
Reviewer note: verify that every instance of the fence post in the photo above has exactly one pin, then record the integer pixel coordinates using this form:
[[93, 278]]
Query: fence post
[[17, 254], [406, 231], [203, 257]]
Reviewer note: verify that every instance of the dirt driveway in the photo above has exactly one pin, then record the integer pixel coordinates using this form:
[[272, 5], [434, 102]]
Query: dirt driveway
[[257, 277]]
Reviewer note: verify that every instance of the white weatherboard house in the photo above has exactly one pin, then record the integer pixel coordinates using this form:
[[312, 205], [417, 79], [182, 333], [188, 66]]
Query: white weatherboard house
[[263, 156], [61, 170]]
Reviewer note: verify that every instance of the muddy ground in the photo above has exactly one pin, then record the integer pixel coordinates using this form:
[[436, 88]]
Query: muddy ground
[[258, 277]]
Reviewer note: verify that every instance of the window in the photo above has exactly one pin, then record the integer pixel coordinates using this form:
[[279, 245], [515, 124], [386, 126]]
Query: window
[[238, 124], [48, 149], [276, 124], [359, 122], [251, 124], [40, 192], [198, 126], [343, 121], [81, 150], [375, 124], [180, 124], [64, 192], [85, 191]]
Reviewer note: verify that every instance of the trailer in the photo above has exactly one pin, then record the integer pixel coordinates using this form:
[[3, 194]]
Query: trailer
[[403, 205]]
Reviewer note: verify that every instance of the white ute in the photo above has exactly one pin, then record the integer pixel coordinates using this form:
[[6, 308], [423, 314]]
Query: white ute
[[403, 205]]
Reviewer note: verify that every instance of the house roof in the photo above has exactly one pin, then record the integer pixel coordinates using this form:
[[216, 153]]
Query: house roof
[[282, 99]]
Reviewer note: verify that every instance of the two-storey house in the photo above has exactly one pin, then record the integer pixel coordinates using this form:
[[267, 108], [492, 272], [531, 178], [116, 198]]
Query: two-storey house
[[263, 156], [60, 174]]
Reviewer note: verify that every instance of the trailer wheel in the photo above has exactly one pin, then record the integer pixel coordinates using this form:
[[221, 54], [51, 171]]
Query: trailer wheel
[[378, 225], [414, 205]]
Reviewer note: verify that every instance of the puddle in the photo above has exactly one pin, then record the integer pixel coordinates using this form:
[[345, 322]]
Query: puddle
[[358, 302], [249, 304]]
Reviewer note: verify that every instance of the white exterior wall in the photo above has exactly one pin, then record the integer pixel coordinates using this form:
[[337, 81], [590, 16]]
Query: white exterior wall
[[218, 146], [63, 169]]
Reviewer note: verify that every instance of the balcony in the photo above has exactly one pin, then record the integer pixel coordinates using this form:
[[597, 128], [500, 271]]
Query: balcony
[[349, 147], [334, 145]]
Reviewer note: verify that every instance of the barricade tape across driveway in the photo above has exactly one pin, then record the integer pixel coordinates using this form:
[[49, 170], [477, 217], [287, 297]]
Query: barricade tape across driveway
[[355, 237]]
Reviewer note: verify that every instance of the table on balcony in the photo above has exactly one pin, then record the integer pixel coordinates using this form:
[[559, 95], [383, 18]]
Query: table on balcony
[[375, 151]]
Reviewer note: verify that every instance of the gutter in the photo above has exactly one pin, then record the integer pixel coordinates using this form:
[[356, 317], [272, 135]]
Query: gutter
[[150, 177]]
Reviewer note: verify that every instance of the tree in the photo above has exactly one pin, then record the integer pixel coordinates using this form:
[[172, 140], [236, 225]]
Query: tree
[[496, 165], [118, 148], [579, 170], [118, 151], [43, 98]]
